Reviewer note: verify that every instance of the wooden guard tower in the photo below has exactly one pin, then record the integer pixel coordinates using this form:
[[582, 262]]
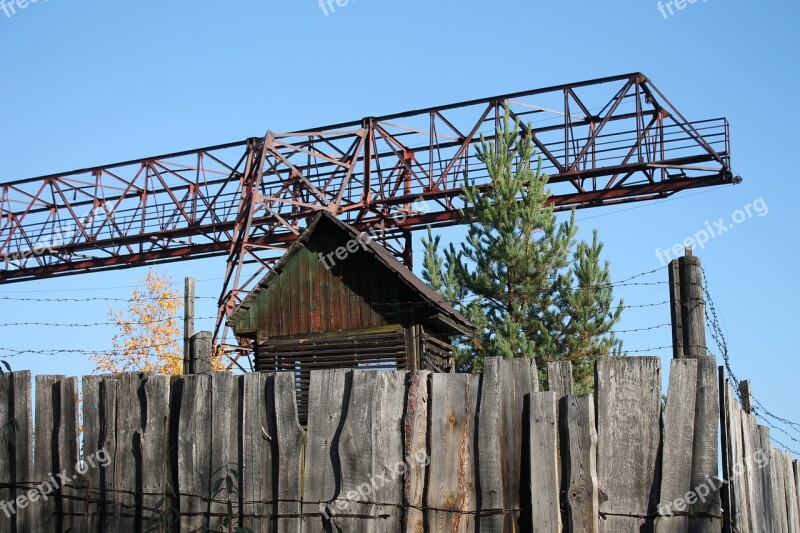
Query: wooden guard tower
[[361, 308]]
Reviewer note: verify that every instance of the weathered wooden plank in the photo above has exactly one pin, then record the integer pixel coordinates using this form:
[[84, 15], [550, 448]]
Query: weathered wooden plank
[[193, 449], [628, 391], [705, 451], [388, 458], [544, 462], [92, 443], [416, 446], [15, 450], [676, 315], [68, 455], [330, 394], [225, 404], [792, 508], [140, 449], [8, 456], [110, 504], [752, 472], [371, 454], [126, 429], [498, 454], [451, 499], [579, 456], [490, 450], [288, 436], [767, 520], [736, 475], [797, 482], [518, 379], [778, 490], [256, 453], [676, 465], [559, 378], [153, 438], [44, 514]]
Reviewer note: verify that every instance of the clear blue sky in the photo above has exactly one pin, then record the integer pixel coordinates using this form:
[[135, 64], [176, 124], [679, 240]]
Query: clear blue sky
[[93, 82]]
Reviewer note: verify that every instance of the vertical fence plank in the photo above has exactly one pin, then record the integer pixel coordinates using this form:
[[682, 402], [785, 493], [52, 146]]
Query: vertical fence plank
[[193, 450], [153, 438], [793, 512], [519, 378], [92, 442], [499, 452], [140, 450], [388, 459], [705, 451], [355, 448], [289, 464], [225, 398], [740, 506], [579, 454], [329, 393], [450, 498], [70, 497], [15, 450], [110, 506], [768, 519], [416, 446], [676, 465], [797, 483], [778, 490], [127, 424], [56, 452], [370, 449], [752, 472], [544, 463], [256, 453], [43, 515], [559, 378], [490, 450], [8, 456], [628, 391]]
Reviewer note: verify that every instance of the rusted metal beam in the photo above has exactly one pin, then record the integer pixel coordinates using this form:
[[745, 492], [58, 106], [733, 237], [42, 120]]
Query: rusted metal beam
[[604, 142]]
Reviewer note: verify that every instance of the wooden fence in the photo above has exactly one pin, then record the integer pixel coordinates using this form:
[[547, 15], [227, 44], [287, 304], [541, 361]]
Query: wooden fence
[[763, 492], [386, 452]]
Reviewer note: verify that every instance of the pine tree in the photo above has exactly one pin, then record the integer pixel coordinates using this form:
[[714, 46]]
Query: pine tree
[[528, 285]]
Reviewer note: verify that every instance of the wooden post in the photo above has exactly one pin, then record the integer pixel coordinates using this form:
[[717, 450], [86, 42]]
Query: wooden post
[[199, 361], [188, 317], [688, 307], [678, 351], [744, 393]]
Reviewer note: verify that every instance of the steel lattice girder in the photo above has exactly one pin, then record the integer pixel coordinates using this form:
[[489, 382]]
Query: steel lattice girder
[[634, 146], [602, 142]]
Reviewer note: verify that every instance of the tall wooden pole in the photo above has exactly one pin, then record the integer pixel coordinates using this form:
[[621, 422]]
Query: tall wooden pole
[[688, 309], [188, 317]]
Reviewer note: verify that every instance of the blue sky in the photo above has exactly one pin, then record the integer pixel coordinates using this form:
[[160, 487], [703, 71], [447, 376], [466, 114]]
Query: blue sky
[[93, 82]]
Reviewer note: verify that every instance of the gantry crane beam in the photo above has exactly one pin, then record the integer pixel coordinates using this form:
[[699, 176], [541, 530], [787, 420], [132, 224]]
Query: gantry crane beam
[[602, 142]]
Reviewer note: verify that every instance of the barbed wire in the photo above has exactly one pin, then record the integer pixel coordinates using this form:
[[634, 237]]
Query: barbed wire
[[94, 324], [98, 299], [713, 325], [13, 352]]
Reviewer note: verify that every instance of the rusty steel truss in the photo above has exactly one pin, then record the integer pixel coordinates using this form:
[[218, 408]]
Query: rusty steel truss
[[602, 142]]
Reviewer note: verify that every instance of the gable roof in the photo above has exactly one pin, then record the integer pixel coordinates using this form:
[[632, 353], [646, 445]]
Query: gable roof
[[384, 257]]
